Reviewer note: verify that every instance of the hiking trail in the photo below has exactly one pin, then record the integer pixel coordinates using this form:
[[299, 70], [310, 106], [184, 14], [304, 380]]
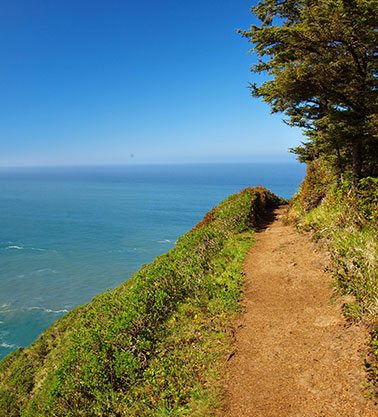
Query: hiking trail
[[295, 354]]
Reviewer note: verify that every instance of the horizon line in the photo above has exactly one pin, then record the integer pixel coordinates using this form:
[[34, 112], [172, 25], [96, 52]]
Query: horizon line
[[122, 165]]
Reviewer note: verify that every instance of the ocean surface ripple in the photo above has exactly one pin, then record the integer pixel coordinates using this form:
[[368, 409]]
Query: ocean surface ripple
[[67, 234]]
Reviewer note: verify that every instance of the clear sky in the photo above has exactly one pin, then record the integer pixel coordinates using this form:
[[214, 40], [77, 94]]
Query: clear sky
[[114, 82]]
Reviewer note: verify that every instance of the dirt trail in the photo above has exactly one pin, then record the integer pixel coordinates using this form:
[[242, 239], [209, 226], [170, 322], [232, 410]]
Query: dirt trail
[[294, 353]]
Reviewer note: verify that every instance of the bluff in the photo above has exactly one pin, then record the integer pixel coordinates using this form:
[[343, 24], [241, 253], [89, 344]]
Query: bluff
[[151, 346]]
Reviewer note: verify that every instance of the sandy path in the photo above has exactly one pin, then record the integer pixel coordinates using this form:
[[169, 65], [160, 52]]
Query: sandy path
[[294, 353]]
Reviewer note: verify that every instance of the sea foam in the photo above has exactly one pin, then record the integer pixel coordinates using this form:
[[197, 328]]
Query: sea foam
[[8, 345], [48, 310]]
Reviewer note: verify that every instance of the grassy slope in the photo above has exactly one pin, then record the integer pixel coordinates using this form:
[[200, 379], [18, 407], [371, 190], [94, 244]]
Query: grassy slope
[[345, 221], [152, 346]]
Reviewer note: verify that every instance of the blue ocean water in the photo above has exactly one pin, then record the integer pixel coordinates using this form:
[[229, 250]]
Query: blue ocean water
[[67, 234]]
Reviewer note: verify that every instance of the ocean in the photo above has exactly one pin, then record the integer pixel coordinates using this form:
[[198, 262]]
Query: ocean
[[67, 234]]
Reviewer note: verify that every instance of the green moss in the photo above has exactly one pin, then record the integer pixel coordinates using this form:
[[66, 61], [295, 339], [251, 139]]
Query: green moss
[[151, 347]]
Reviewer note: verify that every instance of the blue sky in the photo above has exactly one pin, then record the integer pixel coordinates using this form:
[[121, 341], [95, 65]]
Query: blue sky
[[92, 82]]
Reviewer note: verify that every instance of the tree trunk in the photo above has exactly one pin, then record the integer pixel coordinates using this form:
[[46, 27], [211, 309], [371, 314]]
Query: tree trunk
[[357, 160]]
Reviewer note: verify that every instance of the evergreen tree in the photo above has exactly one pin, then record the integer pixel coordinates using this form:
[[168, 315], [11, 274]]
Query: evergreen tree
[[321, 58]]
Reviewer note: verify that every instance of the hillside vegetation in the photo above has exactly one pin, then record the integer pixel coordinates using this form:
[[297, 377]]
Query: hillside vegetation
[[344, 219], [151, 346]]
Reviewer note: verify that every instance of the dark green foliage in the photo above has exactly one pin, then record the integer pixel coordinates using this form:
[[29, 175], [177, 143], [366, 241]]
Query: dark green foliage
[[146, 348], [316, 184], [322, 60], [366, 198]]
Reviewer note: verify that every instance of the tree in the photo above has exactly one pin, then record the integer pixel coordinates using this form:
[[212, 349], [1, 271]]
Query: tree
[[321, 58]]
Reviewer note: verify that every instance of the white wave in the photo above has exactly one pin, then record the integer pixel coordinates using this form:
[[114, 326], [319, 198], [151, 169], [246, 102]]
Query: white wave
[[20, 246], [42, 250], [165, 241], [48, 310], [5, 308], [7, 345], [40, 271], [63, 310]]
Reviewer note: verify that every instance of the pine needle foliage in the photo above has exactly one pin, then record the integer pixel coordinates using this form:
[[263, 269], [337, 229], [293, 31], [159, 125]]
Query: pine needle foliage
[[321, 59]]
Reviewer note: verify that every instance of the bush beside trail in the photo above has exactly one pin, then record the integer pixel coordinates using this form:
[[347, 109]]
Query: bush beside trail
[[343, 217]]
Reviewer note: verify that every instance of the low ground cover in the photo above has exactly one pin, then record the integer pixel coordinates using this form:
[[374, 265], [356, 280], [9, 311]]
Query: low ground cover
[[344, 218]]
